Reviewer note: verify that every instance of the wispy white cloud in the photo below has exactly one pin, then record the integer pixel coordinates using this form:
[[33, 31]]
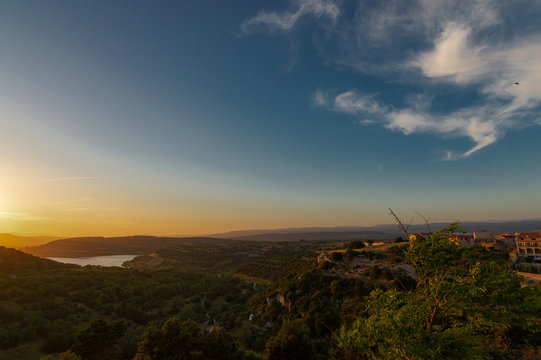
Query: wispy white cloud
[[470, 123], [462, 57], [287, 20], [449, 155], [508, 76], [378, 37], [355, 103], [468, 45], [453, 56], [321, 98], [10, 215]]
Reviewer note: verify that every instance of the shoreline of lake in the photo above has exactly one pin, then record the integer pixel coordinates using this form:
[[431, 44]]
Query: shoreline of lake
[[107, 260]]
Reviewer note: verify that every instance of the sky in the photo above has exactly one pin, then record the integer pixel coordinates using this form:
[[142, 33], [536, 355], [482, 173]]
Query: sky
[[196, 117]]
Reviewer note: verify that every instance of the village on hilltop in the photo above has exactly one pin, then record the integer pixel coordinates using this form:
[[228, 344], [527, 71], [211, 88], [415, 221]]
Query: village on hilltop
[[523, 244]]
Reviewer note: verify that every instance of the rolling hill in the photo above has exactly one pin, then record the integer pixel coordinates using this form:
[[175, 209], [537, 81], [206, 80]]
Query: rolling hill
[[384, 231], [13, 261], [17, 242], [143, 244], [101, 246]]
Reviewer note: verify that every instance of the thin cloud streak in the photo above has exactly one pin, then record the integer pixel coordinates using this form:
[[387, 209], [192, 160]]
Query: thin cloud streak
[[21, 216], [90, 209], [72, 178], [72, 201], [286, 20]]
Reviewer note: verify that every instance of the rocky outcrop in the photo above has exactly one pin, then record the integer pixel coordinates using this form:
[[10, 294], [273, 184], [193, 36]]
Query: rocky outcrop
[[280, 299]]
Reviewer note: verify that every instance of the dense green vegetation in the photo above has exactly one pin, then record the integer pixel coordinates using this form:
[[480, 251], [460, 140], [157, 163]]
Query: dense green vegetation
[[528, 264], [460, 309], [13, 261], [49, 307], [228, 255], [322, 303], [428, 299], [185, 340], [276, 269]]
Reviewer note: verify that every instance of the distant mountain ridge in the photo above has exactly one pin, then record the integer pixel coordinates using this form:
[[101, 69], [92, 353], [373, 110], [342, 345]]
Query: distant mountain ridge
[[17, 242], [317, 235], [496, 226], [102, 246], [144, 244], [299, 230], [379, 231]]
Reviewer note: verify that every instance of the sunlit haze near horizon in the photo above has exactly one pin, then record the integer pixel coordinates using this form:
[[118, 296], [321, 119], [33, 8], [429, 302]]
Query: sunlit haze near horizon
[[199, 117]]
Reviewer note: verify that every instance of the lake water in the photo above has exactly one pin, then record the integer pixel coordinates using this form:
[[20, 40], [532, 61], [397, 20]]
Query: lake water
[[109, 260]]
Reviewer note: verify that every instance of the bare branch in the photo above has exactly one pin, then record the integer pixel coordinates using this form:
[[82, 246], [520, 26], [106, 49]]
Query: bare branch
[[402, 227], [426, 221], [411, 222]]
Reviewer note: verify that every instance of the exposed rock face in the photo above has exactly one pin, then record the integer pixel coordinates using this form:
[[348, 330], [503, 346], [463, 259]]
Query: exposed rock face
[[279, 298], [282, 300], [271, 300]]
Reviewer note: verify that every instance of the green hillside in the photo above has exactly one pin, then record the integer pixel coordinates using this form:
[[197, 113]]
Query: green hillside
[[102, 246], [232, 300], [14, 261]]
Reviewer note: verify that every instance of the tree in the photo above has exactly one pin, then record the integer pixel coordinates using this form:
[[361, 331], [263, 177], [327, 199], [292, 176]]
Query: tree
[[175, 340], [292, 342], [98, 341], [453, 310], [357, 244], [184, 340], [220, 345], [336, 256], [349, 254]]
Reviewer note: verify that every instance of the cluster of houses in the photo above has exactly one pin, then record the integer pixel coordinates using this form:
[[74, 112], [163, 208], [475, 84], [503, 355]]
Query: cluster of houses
[[518, 244]]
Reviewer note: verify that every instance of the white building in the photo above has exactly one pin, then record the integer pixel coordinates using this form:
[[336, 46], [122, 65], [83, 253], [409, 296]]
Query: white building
[[529, 244]]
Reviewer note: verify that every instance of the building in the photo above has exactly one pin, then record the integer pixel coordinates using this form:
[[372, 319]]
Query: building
[[529, 244], [492, 241], [462, 239], [489, 240], [484, 235], [509, 238]]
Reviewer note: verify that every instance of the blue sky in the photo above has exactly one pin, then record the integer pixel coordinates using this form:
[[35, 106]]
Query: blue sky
[[194, 117]]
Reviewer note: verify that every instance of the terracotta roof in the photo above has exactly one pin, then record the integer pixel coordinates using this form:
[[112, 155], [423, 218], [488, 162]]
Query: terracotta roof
[[530, 235]]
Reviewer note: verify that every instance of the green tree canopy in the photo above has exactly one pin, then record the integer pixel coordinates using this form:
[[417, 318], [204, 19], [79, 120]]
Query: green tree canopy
[[184, 340], [220, 345], [292, 342], [454, 312], [98, 340]]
